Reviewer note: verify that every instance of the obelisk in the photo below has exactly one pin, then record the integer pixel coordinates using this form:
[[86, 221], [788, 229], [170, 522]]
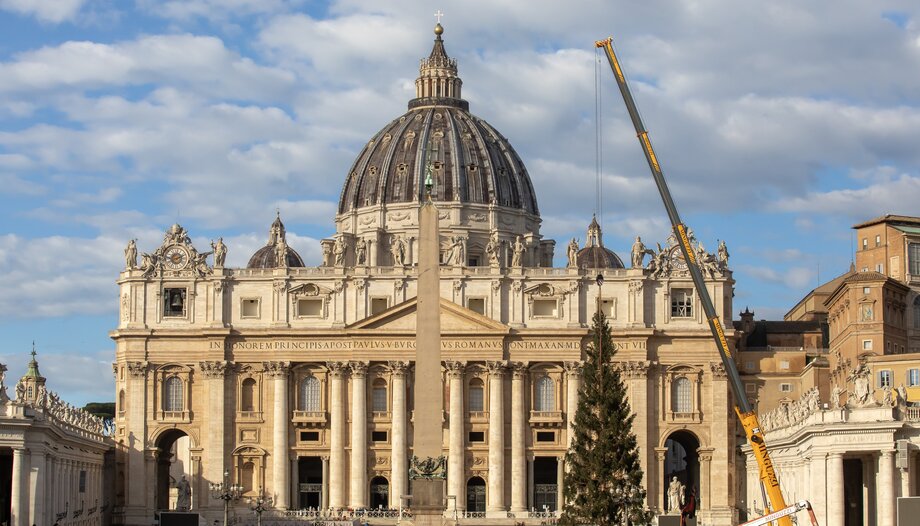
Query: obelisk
[[428, 464]]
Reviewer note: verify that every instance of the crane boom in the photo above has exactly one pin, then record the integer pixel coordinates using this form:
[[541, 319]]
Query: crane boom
[[743, 406]]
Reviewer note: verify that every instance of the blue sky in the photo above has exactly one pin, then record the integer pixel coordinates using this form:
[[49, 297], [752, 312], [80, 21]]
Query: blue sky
[[779, 125]]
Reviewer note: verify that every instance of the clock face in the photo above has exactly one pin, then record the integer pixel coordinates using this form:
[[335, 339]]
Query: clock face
[[176, 257]]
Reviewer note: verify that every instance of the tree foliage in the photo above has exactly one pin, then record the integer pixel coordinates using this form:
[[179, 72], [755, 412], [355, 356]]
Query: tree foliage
[[603, 481]]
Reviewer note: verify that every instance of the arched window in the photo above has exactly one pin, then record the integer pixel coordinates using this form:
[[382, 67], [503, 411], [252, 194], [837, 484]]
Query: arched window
[[247, 395], [917, 312], [681, 400], [476, 495], [545, 399], [247, 476], [379, 395], [309, 394], [477, 403], [172, 394]]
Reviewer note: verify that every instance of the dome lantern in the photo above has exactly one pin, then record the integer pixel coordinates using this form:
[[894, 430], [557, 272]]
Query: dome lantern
[[438, 83]]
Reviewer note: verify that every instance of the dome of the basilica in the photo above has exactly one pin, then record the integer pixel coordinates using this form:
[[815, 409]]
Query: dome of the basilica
[[469, 161], [595, 254], [268, 256]]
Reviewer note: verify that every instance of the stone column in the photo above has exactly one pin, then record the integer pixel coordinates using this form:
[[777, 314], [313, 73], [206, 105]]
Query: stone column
[[835, 501], [399, 463], [358, 483], [455, 454], [661, 454], [885, 495], [216, 439], [560, 482], [337, 372], [495, 501], [38, 500], [324, 501], [19, 494], [136, 491], [705, 489], [573, 384], [518, 461], [905, 479], [281, 475]]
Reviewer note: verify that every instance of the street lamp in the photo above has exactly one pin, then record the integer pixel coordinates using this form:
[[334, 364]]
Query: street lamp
[[226, 492], [260, 504]]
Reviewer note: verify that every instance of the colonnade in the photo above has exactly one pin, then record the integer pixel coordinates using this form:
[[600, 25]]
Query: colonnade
[[46, 487], [351, 463]]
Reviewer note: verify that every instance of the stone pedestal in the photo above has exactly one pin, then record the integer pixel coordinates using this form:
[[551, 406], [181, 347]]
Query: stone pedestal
[[428, 502]]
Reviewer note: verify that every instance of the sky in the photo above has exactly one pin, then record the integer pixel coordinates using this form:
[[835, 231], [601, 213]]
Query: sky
[[778, 124]]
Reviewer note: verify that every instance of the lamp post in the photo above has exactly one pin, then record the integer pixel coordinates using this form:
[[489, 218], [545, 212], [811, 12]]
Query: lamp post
[[226, 492], [260, 504], [600, 347]]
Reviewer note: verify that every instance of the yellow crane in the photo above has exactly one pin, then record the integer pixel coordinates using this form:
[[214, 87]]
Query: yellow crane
[[743, 408]]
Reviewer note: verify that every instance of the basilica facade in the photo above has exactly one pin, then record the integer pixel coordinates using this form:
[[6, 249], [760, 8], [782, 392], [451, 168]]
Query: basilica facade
[[297, 381]]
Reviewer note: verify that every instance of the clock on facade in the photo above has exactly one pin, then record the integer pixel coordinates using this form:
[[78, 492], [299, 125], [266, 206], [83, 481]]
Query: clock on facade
[[176, 257]]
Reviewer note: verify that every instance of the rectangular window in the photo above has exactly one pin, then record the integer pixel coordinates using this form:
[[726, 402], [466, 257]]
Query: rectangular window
[[82, 481], [477, 305], [785, 388], [784, 364], [544, 308], [867, 345], [750, 388], [913, 259], [878, 241], [913, 377], [472, 261], [379, 399], [546, 436], [608, 308], [682, 303], [311, 308], [378, 436], [249, 308], [309, 436], [880, 268], [865, 243], [174, 302], [379, 305], [749, 366], [477, 436], [867, 290], [884, 379]]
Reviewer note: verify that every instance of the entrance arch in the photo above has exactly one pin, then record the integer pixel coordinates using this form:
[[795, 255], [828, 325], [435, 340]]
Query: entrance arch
[[681, 461], [380, 493], [173, 462], [476, 495]]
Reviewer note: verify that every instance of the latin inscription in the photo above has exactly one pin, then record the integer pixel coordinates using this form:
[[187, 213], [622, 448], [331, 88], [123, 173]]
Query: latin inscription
[[354, 345], [545, 345], [629, 345]]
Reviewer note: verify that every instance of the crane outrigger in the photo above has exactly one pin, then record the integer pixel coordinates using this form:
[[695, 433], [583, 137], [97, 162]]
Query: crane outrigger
[[747, 415]]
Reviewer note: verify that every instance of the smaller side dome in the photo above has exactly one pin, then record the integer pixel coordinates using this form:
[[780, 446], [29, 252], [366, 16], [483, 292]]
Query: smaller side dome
[[268, 256], [594, 254]]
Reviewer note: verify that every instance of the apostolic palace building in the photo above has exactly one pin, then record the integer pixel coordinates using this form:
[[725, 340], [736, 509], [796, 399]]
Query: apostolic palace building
[[298, 381]]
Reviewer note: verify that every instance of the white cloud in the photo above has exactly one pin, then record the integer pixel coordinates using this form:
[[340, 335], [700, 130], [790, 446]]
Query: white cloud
[[79, 378], [52, 11], [896, 196]]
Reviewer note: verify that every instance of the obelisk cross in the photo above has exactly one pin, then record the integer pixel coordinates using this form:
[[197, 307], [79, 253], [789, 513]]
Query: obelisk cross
[[438, 15]]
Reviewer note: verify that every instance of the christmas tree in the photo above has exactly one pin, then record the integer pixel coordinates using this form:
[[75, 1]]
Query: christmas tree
[[603, 482]]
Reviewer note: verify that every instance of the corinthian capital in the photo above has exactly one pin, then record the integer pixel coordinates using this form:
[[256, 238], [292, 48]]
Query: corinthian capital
[[398, 368], [276, 369], [518, 370], [497, 368], [455, 368], [214, 369], [358, 369], [337, 369]]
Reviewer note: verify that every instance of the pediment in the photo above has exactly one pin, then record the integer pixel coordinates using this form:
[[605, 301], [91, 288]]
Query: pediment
[[454, 319]]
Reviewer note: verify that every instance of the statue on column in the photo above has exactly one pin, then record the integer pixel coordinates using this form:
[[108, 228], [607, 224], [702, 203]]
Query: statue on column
[[639, 250], [220, 252], [572, 253], [398, 250], [184, 498], [674, 496], [493, 249], [281, 251], [131, 255], [338, 250], [453, 256], [723, 255], [518, 252], [361, 252]]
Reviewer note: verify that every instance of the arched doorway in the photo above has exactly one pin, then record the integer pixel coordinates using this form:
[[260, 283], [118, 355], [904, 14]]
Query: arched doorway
[[681, 461], [173, 462], [380, 493], [476, 495]]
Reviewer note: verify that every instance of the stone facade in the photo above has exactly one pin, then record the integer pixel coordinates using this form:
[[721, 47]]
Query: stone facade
[[300, 380]]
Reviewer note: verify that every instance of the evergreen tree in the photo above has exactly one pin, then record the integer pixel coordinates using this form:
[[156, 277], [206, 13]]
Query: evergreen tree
[[603, 483]]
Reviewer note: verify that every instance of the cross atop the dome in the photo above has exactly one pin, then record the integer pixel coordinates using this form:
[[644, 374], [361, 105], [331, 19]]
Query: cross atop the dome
[[438, 15]]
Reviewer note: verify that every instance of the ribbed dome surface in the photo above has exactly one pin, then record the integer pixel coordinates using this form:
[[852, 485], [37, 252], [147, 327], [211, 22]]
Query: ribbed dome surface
[[265, 258], [598, 257], [471, 163]]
